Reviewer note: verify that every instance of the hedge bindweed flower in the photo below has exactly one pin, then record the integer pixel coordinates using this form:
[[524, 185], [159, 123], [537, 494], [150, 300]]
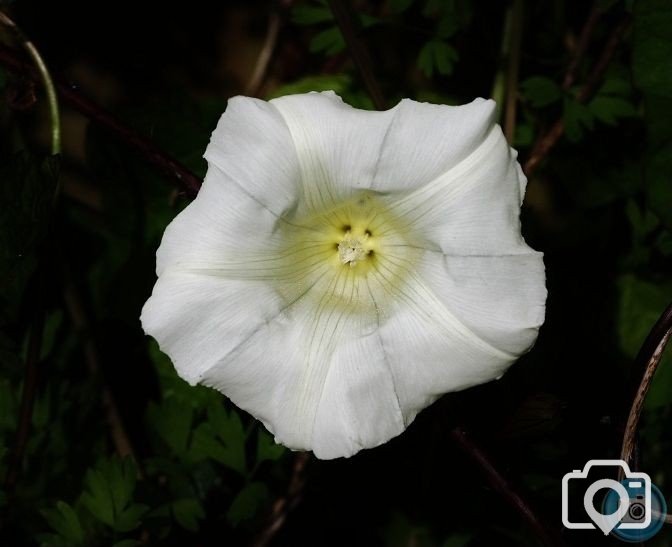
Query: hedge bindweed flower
[[341, 269]]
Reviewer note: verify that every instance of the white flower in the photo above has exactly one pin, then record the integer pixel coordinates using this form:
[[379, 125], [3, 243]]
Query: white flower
[[341, 269]]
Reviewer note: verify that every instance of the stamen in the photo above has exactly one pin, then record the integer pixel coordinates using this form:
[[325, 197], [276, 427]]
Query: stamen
[[353, 249]]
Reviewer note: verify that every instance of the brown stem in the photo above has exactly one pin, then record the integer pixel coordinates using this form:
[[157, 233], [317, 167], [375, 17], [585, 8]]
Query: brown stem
[[582, 45], [187, 180], [75, 307], [28, 395], [256, 82], [646, 364], [503, 487], [549, 139], [345, 20], [285, 504], [512, 70]]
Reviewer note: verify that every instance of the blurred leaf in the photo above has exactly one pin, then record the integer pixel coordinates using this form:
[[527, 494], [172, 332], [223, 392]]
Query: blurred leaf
[[127, 543], [577, 118], [652, 51], [641, 303], [188, 512], [540, 91], [172, 420], [399, 6], [439, 55], [329, 41], [65, 522], [246, 504], [610, 109], [309, 15], [267, 449]]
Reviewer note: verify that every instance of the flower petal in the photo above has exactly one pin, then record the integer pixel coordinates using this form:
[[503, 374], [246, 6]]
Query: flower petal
[[500, 298], [198, 319], [426, 140], [253, 147], [474, 207], [338, 146]]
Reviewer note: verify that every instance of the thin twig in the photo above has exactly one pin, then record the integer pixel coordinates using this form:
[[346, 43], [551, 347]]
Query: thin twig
[[646, 364], [512, 70], [76, 310], [55, 119], [582, 45], [345, 20], [187, 180], [258, 77], [28, 395], [503, 487], [549, 139], [285, 504]]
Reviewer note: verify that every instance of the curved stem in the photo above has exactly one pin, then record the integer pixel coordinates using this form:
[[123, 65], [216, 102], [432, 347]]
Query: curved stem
[[646, 364], [47, 81], [512, 70]]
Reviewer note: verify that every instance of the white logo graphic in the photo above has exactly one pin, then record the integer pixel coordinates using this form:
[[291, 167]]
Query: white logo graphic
[[639, 483]]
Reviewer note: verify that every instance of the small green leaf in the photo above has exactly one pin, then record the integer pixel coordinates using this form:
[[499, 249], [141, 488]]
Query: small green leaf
[[610, 109], [329, 41], [540, 91], [267, 449], [127, 543], [246, 504], [188, 512], [310, 15], [439, 55], [65, 522], [98, 499], [399, 6], [129, 518], [577, 118]]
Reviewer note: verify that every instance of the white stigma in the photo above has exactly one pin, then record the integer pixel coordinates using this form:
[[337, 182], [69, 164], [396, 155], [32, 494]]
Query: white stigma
[[352, 250]]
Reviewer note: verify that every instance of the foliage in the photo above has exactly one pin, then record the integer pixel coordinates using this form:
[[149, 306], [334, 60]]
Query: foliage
[[203, 471]]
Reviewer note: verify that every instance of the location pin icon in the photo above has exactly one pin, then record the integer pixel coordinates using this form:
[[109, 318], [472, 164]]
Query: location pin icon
[[606, 523]]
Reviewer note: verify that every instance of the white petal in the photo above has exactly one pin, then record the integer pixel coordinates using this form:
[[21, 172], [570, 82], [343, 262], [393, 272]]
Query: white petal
[[252, 145], [472, 208], [500, 298], [198, 319], [426, 140], [431, 353], [338, 146]]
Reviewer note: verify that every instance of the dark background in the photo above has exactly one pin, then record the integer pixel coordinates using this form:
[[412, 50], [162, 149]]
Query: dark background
[[599, 207]]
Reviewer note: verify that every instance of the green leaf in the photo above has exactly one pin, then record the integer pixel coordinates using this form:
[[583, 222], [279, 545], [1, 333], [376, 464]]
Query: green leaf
[[640, 304], [577, 118], [610, 109], [439, 55], [129, 518], [399, 6], [310, 15], [98, 498], [540, 91], [65, 522], [172, 420], [267, 449], [329, 41], [127, 543], [188, 512], [652, 46], [246, 504]]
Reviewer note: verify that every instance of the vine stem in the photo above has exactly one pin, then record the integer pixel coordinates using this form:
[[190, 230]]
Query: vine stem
[[360, 54], [45, 76], [546, 141], [186, 179], [513, 66], [646, 364]]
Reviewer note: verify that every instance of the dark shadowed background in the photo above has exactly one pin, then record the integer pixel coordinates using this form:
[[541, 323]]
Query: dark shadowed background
[[599, 205]]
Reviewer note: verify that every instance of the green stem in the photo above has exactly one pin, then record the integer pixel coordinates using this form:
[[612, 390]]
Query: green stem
[[47, 81]]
